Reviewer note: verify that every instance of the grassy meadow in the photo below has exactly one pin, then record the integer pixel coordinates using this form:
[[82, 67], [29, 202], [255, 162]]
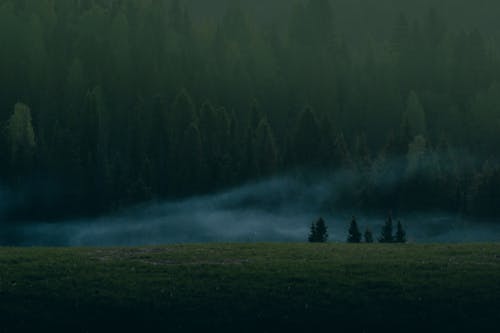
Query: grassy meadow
[[251, 287]]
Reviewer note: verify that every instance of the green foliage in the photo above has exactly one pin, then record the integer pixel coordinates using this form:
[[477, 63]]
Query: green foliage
[[21, 136], [416, 157], [319, 232], [112, 84]]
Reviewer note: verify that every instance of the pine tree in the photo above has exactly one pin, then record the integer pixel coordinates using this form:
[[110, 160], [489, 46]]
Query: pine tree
[[190, 160], [387, 235], [342, 154], [400, 234], [354, 233], [265, 149], [414, 116], [322, 231], [307, 139], [313, 233], [21, 136], [368, 236], [319, 232]]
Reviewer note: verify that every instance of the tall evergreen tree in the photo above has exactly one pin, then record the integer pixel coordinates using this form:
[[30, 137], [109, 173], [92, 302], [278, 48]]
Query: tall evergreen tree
[[319, 232], [92, 126], [354, 233], [182, 114], [387, 235], [414, 116], [190, 161], [307, 139], [21, 136], [400, 234], [265, 150]]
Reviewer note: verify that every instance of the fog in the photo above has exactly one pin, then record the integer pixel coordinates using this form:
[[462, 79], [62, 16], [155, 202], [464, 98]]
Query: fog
[[276, 210]]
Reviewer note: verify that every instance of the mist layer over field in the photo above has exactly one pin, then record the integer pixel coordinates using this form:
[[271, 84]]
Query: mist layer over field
[[279, 209]]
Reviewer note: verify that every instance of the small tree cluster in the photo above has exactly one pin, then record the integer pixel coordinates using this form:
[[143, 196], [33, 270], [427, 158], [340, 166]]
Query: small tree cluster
[[319, 232], [387, 235], [355, 235]]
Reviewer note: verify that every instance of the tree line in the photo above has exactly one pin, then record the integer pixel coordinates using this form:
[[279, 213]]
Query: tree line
[[104, 104], [319, 232]]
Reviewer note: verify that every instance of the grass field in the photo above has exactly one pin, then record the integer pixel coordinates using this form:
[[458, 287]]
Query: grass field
[[252, 287]]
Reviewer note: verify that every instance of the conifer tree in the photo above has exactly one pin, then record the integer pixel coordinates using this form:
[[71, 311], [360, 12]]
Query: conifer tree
[[21, 135], [387, 231], [313, 233], [190, 163], [400, 234], [307, 139], [414, 116], [182, 114], [354, 233], [265, 149], [319, 232]]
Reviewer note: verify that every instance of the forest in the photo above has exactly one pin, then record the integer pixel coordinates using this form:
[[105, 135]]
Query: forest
[[105, 104]]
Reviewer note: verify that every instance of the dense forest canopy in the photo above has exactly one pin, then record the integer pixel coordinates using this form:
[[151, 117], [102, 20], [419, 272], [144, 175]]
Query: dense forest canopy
[[363, 19], [107, 103]]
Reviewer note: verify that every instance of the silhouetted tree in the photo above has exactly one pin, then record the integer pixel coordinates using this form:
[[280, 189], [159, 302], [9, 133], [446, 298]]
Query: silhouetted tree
[[354, 233], [387, 231], [319, 232], [312, 233], [400, 234]]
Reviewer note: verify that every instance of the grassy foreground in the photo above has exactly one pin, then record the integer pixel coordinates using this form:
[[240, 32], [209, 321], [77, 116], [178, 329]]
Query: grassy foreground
[[252, 287]]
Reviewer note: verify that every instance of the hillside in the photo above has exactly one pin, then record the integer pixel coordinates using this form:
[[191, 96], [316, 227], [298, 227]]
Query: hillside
[[108, 104]]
